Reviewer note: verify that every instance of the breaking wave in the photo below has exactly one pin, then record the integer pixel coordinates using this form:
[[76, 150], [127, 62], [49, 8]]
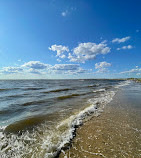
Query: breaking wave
[[123, 83], [47, 140]]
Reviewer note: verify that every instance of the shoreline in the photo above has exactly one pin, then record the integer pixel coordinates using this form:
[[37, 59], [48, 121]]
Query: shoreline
[[106, 135], [135, 79]]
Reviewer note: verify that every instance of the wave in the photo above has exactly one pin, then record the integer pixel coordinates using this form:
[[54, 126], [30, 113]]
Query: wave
[[47, 141], [3, 89], [58, 90], [68, 96], [5, 111], [94, 85], [81, 80], [96, 106], [6, 89], [100, 90], [32, 88], [35, 102], [26, 124], [123, 83], [67, 89], [50, 99], [16, 96]]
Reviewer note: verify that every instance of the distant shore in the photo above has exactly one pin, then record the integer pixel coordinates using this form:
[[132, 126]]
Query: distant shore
[[135, 79]]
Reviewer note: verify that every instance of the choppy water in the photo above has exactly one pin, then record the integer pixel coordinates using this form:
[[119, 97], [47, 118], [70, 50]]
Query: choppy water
[[38, 117]]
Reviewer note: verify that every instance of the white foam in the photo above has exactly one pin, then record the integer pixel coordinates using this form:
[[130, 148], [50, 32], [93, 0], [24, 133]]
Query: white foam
[[77, 119], [99, 90], [122, 84]]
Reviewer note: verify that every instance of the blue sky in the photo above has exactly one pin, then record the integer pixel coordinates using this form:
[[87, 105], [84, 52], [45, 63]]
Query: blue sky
[[70, 39]]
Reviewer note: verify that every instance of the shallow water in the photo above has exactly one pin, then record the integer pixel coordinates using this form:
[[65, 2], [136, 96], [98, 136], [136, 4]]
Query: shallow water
[[38, 117]]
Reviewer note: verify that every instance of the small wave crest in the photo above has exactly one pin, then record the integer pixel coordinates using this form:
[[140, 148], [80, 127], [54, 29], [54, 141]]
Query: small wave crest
[[122, 84], [99, 90], [7, 89], [34, 102], [3, 89], [58, 90], [94, 85], [68, 96], [32, 88]]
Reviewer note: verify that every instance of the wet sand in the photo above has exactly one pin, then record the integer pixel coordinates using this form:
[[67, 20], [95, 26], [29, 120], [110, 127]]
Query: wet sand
[[116, 133]]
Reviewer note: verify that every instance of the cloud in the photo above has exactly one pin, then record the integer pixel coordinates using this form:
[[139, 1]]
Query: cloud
[[64, 13], [102, 66], [120, 40], [10, 70], [87, 51], [62, 56], [34, 71], [35, 65], [58, 60], [138, 74], [38, 68], [105, 41], [67, 69], [136, 70], [59, 49], [125, 47]]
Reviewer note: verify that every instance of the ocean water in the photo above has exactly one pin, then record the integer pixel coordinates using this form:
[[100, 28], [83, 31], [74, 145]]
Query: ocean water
[[39, 117]]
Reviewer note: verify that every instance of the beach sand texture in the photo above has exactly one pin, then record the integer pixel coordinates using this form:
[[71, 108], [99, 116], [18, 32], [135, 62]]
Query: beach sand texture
[[116, 133]]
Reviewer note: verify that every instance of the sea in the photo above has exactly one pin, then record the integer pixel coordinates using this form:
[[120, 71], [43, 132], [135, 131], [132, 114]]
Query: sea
[[39, 117]]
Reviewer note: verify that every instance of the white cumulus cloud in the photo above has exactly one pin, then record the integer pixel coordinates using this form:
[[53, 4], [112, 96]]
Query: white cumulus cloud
[[136, 70], [87, 51], [58, 60], [120, 40], [34, 71], [67, 69], [62, 56], [102, 66], [125, 47], [60, 49], [10, 70], [35, 65]]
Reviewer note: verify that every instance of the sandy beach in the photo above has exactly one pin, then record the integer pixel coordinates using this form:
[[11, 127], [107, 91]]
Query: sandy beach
[[115, 133]]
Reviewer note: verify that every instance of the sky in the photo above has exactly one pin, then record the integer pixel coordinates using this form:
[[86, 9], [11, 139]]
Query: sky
[[60, 39]]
